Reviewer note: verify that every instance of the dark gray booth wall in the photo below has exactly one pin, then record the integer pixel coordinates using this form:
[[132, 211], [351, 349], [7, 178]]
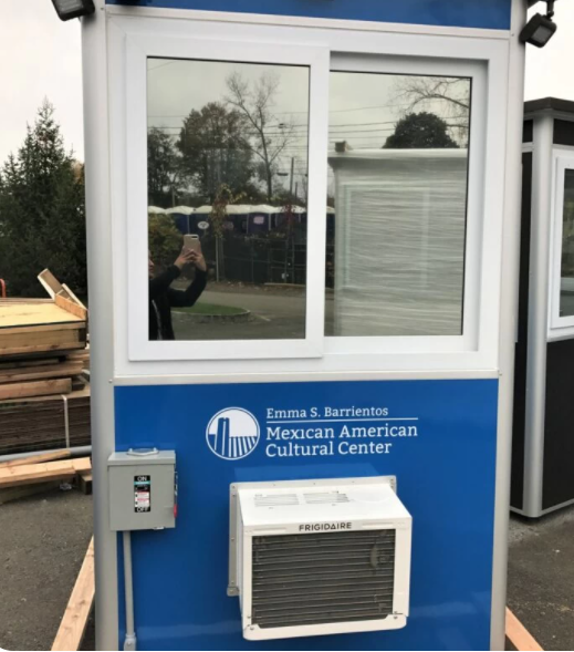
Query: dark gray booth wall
[[558, 465], [558, 459], [520, 365]]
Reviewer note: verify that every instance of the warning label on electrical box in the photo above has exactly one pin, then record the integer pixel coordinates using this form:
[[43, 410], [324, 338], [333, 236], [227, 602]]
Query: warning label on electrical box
[[142, 493]]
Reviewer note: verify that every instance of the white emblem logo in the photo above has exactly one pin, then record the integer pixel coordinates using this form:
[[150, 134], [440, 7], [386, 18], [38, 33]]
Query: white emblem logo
[[232, 433]]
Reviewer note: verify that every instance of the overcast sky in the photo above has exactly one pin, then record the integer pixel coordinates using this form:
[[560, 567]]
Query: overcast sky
[[41, 57]]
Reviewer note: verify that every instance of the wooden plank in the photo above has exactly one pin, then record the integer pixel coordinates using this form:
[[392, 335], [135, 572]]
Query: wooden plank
[[36, 459], [43, 328], [38, 339], [519, 636], [35, 388], [46, 400], [13, 300], [23, 364], [71, 307], [50, 283], [72, 296], [73, 624], [28, 314], [32, 349], [43, 472], [63, 370], [86, 483]]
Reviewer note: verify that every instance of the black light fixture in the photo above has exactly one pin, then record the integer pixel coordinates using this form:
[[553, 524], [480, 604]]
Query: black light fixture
[[68, 9], [540, 29]]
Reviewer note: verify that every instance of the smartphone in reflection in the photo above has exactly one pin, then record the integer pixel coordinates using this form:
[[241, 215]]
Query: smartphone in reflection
[[191, 241]]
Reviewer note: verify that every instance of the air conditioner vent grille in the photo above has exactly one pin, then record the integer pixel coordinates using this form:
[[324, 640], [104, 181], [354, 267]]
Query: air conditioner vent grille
[[276, 500], [322, 578], [326, 498]]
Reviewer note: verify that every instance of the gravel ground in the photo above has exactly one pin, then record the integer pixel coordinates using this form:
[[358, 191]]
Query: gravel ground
[[43, 541]]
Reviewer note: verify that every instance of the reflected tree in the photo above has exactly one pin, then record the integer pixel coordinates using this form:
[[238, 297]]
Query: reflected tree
[[267, 135], [449, 97], [420, 131], [164, 170], [217, 218], [214, 147]]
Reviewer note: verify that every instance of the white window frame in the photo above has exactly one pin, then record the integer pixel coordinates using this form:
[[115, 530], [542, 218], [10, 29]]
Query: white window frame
[[140, 48], [558, 327], [168, 34]]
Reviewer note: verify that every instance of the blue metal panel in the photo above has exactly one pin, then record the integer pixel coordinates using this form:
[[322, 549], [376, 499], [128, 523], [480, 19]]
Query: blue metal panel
[[484, 14], [446, 479]]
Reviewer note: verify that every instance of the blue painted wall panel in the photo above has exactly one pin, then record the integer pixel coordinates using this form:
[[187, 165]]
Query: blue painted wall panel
[[446, 479], [484, 14]]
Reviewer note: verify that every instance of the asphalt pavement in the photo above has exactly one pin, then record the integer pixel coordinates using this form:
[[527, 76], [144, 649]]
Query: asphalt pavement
[[43, 541]]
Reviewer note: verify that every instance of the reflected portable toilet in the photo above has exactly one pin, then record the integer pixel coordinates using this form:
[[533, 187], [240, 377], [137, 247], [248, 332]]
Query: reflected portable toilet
[[314, 467], [184, 219], [543, 446]]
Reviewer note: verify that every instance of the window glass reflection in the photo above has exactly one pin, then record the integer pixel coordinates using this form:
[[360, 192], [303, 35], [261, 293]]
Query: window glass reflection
[[567, 263], [227, 197], [398, 159]]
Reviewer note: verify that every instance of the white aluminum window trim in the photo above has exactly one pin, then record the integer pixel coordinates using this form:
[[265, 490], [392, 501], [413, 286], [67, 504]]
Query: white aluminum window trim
[[452, 52], [139, 48], [559, 328]]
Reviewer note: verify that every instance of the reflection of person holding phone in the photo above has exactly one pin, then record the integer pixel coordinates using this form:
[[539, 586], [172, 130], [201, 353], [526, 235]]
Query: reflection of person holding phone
[[162, 297]]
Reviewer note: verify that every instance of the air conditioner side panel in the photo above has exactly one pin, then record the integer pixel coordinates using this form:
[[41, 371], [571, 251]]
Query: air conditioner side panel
[[402, 569], [245, 550]]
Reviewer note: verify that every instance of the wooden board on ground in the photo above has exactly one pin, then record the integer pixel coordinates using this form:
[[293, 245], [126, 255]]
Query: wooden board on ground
[[35, 459], [519, 636], [43, 472], [86, 483], [35, 388], [73, 625], [25, 491]]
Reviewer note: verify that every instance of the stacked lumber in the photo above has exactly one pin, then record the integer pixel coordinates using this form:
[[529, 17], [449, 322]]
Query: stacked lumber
[[42, 343], [44, 399], [34, 424]]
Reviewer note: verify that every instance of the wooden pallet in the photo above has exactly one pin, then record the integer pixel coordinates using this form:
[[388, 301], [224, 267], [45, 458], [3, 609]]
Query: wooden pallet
[[43, 326], [42, 344]]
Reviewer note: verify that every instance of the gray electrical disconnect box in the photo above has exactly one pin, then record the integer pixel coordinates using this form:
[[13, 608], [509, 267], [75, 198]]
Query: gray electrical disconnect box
[[143, 489]]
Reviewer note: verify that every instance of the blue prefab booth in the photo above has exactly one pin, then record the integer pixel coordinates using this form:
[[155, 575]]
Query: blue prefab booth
[[301, 426]]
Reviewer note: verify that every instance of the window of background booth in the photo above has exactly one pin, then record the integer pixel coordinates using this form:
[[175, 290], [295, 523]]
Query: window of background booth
[[397, 204], [227, 194], [567, 251]]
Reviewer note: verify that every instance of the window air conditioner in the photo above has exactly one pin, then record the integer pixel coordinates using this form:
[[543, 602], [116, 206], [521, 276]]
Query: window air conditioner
[[319, 557]]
